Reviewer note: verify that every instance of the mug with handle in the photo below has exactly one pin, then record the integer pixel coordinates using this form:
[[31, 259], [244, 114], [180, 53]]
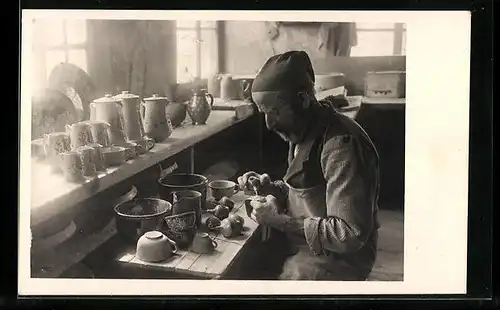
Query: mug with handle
[[203, 244]]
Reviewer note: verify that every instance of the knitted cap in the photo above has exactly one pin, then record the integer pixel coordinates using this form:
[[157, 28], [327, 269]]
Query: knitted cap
[[290, 71]]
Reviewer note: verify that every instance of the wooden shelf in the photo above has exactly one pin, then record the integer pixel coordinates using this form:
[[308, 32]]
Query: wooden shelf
[[55, 261], [50, 193]]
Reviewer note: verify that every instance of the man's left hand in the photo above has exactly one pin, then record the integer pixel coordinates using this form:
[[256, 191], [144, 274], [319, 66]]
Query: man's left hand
[[264, 211]]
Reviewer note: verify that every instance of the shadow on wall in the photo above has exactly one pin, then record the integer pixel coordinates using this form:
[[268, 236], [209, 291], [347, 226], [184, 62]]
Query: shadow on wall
[[248, 47]]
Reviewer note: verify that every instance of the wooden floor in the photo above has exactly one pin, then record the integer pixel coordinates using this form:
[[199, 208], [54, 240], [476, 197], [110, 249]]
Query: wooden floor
[[390, 256]]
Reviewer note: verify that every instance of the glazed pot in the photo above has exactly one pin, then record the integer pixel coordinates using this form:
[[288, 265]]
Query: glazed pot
[[200, 107], [183, 181], [157, 125], [176, 112]]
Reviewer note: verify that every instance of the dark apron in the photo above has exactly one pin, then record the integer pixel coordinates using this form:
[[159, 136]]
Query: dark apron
[[304, 265]]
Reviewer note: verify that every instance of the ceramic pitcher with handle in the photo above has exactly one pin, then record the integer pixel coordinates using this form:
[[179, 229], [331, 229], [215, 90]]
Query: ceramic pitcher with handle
[[132, 123], [200, 106], [109, 110], [157, 125]]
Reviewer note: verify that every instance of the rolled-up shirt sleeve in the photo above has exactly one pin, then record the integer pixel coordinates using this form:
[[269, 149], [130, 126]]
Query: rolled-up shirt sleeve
[[349, 207]]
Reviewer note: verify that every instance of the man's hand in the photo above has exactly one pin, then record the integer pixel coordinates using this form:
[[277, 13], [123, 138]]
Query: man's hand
[[256, 183], [265, 210]]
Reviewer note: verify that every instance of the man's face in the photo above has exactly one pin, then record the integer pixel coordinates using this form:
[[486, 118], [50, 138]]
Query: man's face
[[282, 113]]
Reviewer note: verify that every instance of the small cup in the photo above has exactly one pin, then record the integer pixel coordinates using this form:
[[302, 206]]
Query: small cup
[[80, 134], [97, 157], [221, 188], [203, 244], [154, 246], [71, 166], [54, 144], [131, 150], [114, 155], [144, 145], [100, 132], [87, 159]]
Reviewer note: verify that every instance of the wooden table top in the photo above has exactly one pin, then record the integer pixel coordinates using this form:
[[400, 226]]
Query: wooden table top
[[210, 266]]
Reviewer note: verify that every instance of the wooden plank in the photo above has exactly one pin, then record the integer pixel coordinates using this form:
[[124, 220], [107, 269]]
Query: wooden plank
[[187, 261], [50, 192], [225, 260], [205, 261]]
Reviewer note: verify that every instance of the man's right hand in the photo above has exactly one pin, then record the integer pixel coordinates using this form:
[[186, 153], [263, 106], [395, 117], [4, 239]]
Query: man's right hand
[[255, 183]]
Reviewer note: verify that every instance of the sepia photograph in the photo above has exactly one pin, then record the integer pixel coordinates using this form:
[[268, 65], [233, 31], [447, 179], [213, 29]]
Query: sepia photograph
[[200, 148]]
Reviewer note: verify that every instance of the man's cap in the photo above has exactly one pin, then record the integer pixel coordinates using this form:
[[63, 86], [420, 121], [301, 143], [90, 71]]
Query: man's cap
[[290, 71]]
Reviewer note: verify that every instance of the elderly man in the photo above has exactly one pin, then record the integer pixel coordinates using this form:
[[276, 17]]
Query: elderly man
[[326, 205]]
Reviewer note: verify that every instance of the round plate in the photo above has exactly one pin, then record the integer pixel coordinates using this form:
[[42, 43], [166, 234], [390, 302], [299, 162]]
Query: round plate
[[51, 111], [66, 76]]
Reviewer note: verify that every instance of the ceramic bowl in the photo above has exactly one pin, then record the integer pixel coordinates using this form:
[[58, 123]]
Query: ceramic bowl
[[135, 217], [222, 188], [114, 155], [154, 246]]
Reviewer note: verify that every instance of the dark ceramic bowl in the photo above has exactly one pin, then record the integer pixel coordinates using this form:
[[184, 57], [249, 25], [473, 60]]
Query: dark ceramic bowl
[[136, 217]]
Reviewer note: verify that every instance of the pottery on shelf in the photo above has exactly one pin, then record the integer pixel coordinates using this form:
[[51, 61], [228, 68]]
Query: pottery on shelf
[[176, 112], [200, 106], [157, 125]]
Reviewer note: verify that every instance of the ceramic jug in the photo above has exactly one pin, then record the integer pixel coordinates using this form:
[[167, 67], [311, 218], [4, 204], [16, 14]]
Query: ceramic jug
[[230, 88], [109, 110], [157, 125], [213, 85], [132, 123], [199, 108]]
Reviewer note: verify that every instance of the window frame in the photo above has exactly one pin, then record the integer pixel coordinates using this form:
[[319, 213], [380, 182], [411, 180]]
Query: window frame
[[198, 28], [42, 48], [398, 29]]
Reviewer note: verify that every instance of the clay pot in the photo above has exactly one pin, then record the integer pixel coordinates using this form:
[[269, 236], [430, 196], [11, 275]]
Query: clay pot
[[176, 112]]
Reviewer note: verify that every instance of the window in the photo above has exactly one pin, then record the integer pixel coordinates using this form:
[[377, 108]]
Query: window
[[60, 41], [197, 49], [380, 39]]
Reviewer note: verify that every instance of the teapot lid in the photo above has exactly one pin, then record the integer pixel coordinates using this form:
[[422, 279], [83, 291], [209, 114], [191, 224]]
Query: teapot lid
[[153, 234], [126, 95], [108, 98], [155, 97]]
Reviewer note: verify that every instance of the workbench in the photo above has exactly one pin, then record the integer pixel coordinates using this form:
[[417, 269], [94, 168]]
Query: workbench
[[203, 266]]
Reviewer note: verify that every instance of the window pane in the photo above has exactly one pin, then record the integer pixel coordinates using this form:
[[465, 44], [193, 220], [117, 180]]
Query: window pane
[[53, 32], [76, 31], [403, 42], [186, 23], [52, 59], [209, 52], [78, 57], [207, 24], [186, 55], [373, 43], [375, 25]]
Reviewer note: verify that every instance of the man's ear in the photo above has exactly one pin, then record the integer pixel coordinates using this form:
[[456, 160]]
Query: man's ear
[[305, 100]]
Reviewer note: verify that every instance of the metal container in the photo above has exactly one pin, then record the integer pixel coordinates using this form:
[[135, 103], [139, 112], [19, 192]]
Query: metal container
[[183, 181]]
